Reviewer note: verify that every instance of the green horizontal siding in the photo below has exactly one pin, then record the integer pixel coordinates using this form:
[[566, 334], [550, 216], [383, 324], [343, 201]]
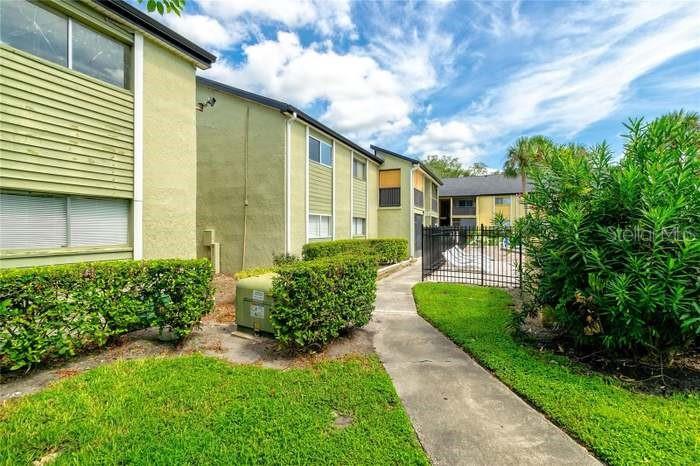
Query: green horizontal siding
[[61, 131], [320, 189], [38, 257], [359, 198]]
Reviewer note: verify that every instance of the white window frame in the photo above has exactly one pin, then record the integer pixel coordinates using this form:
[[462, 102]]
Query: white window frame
[[364, 226], [320, 152], [502, 198], [312, 234]]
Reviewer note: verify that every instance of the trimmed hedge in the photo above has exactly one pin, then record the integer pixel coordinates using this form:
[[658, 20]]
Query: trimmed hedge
[[316, 300], [385, 250], [57, 311]]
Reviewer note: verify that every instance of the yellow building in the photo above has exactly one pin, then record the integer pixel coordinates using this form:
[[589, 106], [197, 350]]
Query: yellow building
[[472, 201]]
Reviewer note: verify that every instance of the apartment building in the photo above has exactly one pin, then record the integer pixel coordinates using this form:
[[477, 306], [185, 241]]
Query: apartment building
[[408, 198], [271, 178], [97, 134], [472, 201]]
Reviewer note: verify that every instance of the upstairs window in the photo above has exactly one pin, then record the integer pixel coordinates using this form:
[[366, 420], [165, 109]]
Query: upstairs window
[[503, 201], [63, 41], [390, 188], [359, 169], [28, 27], [320, 152], [98, 56], [465, 203]]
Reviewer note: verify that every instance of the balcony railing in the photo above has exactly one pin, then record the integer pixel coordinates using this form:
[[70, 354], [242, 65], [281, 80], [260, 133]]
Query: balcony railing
[[464, 210], [389, 197], [418, 198]]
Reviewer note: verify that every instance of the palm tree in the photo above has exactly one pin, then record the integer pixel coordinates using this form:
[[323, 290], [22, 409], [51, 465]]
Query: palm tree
[[523, 154]]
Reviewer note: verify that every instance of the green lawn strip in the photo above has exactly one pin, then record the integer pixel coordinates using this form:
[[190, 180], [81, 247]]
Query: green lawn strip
[[619, 425], [200, 410]]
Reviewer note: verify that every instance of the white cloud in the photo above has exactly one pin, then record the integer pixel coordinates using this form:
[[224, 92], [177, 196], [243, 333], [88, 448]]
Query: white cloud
[[325, 16], [455, 138], [361, 97], [579, 79], [206, 31]]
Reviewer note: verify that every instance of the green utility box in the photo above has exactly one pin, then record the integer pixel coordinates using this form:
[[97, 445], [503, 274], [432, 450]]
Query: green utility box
[[254, 302]]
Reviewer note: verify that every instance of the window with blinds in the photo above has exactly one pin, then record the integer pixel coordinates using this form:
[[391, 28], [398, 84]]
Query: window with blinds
[[359, 226], [390, 188], [35, 222], [359, 169], [319, 226]]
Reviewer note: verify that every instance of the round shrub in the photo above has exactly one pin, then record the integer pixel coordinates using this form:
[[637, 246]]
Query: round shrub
[[315, 300]]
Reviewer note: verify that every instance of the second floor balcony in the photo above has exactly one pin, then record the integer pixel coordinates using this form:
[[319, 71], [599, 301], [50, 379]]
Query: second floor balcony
[[418, 198]]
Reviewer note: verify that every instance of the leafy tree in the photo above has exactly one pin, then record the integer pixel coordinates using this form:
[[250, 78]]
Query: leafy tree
[[478, 169], [445, 166], [164, 6]]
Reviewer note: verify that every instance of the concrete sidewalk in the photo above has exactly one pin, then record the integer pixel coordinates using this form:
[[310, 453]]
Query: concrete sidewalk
[[461, 413]]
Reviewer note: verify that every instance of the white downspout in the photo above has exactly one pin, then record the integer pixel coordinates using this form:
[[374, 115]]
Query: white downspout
[[413, 214], [137, 220]]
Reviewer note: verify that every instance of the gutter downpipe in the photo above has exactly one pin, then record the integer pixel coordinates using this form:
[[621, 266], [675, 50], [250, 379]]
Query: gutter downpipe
[[245, 185], [291, 117]]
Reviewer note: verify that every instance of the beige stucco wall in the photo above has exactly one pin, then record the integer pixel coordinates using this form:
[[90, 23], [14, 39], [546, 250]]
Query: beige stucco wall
[[225, 176], [169, 154]]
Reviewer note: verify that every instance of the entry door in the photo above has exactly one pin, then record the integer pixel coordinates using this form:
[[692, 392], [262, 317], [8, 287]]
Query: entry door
[[417, 235]]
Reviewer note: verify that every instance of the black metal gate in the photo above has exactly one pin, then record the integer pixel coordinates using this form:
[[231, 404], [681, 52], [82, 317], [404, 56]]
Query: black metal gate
[[479, 256]]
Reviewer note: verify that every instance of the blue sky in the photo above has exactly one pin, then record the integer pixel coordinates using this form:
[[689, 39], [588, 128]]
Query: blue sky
[[455, 77]]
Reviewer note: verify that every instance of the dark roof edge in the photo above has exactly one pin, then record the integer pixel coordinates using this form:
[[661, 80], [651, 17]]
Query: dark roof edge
[[285, 107], [410, 159], [145, 22], [498, 193]]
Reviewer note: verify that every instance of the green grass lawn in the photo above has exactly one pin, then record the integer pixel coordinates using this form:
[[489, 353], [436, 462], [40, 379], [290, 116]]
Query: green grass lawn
[[619, 425], [200, 410]]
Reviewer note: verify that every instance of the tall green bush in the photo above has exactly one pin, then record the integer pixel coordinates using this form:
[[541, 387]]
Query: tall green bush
[[57, 311], [315, 300], [384, 250], [613, 248]]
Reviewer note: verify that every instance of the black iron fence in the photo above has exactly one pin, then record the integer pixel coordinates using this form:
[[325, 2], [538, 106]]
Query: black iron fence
[[479, 256]]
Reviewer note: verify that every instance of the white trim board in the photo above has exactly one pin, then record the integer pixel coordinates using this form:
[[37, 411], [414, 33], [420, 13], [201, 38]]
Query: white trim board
[[352, 182], [333, 197], [306, 182]]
